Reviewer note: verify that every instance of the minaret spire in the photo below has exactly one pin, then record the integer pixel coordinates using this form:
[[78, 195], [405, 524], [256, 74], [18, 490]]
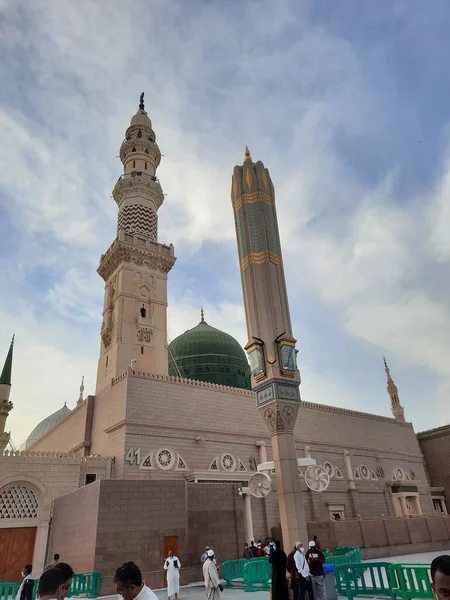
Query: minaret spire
[[5, 403], [271, 344], [80, 397], [135, 266], [202, 315], [396, 407]]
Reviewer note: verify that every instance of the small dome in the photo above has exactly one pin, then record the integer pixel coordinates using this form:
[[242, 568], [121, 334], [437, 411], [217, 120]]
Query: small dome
[[141, 118], [44, 426], [205, 353]]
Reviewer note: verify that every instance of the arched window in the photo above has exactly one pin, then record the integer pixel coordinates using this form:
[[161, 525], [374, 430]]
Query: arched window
[[134, 164], [143, 312], [145, 165], [139, 134], [146, 151]]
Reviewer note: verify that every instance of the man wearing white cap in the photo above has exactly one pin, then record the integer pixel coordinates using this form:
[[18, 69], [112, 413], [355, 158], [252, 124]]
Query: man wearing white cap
[[211, 576], [316, 559]]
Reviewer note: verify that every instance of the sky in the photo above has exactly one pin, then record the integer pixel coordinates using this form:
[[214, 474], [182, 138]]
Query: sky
[[348, 106]]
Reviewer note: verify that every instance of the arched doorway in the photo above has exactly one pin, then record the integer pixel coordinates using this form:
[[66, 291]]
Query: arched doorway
[[24, 521]]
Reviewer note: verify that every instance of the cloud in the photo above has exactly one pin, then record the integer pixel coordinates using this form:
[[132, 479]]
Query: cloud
[[322, 99]]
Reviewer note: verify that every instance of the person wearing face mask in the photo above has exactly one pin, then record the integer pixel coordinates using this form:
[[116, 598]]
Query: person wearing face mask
[[440, 577], [25, 592], [49, 586], [67, 575]]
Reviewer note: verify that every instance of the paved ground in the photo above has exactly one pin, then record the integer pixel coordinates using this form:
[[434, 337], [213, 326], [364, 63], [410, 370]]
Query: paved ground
[[196, 591]]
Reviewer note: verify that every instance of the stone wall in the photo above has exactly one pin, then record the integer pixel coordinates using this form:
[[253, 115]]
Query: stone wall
[[74, 528], [129, 519], [435, 445], [385, 537]]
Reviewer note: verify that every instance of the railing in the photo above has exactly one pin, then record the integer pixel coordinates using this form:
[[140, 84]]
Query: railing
[[134, 174], [233, 569], [366, 579], [410, 581], [257, 572], [344, 556], [83, 584], [8, 590]]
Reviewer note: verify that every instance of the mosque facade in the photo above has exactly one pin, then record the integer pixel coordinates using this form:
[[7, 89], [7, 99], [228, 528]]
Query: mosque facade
[[159, 456]]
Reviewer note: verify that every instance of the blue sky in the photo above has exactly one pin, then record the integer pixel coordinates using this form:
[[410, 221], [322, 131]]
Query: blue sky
[[348, 106]]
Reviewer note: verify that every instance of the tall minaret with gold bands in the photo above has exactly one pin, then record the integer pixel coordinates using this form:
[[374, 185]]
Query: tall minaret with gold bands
[[271, 345]]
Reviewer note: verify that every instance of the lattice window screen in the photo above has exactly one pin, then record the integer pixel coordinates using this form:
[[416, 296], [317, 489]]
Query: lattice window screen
[[18, 502]]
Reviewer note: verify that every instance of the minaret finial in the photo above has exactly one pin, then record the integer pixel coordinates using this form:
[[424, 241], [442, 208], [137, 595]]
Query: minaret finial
[[247, 154], [141, 101], [202, 315], [80, 397]]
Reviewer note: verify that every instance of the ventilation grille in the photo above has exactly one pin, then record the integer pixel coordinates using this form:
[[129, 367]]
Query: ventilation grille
[[138, 219], [18, 502]]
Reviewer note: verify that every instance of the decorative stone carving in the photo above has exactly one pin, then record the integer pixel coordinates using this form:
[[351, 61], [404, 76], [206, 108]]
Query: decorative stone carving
[[270, 419], [400, 475], [119, 252], [144, 285], [280, 416], [106, 336], [329, 468], [181, 465], [144, 334], [252, 463], [18, 502], [132, 185], [228, 463], [380, 472], [364, 472], [147, 463], [141, 145], [165, 458]]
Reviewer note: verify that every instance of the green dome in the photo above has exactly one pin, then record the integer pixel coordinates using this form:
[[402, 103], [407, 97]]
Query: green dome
[[205, 353]]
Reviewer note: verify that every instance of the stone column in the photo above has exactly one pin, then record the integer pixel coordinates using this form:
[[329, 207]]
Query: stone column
[[280, 417], [354, 498], [40, 547], [248, 518]]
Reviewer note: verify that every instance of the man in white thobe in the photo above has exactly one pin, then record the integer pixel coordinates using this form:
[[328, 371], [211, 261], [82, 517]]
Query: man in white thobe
[[212, 581], [172, 565]]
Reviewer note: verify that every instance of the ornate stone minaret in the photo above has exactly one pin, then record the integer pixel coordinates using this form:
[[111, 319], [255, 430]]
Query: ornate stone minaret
[[396, 407], [5, 403], [271, 345], [135, 266]]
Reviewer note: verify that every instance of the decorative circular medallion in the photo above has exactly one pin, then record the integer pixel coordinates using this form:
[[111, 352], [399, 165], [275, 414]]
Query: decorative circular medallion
[[228, 462], [365, 472], [165, 459], [399, 473], [329, 468]]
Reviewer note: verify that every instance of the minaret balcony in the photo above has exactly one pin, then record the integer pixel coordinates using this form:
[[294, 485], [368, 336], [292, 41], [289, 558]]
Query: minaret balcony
[[138, 182], [142, 146]]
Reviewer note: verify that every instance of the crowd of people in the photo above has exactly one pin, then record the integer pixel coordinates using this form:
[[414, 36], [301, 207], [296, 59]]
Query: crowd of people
[[305, 570]]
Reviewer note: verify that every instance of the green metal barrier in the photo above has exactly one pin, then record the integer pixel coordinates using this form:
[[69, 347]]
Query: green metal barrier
[[410, 581], [8, 589], [353, 555], [366, 579], [83, 584], [257, 572], [233, 569]]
